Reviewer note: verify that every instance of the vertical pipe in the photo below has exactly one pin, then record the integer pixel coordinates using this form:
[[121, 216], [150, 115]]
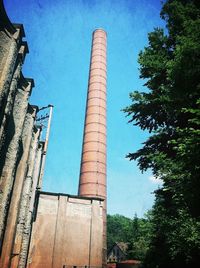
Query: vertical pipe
[[22, 231], [36, 173], [92, 182], [45, 148], [30, 211]]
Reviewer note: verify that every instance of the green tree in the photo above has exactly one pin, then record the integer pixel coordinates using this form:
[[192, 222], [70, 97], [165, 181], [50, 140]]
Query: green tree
[[170, 112], [118, 229], [135, 232], [140, 237]]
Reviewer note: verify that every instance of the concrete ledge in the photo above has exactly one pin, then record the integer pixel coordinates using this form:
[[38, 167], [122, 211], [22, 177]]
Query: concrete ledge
[[72, 196]]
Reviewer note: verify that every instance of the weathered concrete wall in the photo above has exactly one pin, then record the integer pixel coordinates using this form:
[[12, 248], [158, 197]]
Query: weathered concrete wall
[[28, 193], [9, 105], [8, 56], [67, 231], [24, 216], [20, 148], [6, 113], [12, 53], [11, 148], [21, 171], [10, 46]]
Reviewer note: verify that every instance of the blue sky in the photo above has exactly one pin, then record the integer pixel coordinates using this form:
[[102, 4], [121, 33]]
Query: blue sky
[[59, 35]]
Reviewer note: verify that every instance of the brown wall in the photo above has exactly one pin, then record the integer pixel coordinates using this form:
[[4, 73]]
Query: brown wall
[[67, 231]]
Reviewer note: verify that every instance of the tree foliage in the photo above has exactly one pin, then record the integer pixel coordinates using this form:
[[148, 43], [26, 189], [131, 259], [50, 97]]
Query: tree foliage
[[170, 112], [136, 233], [140, 237], [118, 229]]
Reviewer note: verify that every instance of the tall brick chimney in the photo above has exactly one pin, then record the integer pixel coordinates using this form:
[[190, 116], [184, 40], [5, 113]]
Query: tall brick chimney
[[92, 182], [93, 163]]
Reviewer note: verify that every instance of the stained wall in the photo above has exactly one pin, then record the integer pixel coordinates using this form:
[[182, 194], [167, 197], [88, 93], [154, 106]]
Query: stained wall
[[67, 232], [19, 145]]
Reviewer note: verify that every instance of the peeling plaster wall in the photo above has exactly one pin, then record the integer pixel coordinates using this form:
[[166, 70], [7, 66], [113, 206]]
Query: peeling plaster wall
[[11, 148], [8, 56], [20, 175], [24, 225], [6, 113], [13, 104], [9, 105], [20, 148]]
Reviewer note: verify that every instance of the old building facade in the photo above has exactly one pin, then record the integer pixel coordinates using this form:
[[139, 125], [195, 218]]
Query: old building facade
[[73, 227], [21, 149]]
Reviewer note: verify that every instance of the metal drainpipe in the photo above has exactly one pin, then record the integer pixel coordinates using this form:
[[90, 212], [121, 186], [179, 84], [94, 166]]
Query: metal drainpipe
[[45, 148]]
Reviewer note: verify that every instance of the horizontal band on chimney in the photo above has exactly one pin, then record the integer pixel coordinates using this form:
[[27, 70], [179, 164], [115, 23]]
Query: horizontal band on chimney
[[95, 105], [94, 141], [98, 43], [91, 182], [99, 62], [101, 41], [94, 49], [97, 68], [96, 55], [99, 90], [94, 131], [93, 161], [97, 122], [97, 98], [103, 115], [97, 82], [98, 152], [98, 75], [85, 172]]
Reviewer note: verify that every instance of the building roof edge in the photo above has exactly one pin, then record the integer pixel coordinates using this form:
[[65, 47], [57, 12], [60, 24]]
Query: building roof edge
[[5, 20]]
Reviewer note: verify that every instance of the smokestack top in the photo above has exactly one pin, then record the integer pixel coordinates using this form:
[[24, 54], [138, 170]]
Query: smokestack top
[[99, 30]]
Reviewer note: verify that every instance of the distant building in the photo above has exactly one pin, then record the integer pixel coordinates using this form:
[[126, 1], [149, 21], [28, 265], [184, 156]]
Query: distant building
[[118, 252], [128, 264]]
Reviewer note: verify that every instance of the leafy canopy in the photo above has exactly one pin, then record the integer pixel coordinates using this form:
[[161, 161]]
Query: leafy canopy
[[170, 112]]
